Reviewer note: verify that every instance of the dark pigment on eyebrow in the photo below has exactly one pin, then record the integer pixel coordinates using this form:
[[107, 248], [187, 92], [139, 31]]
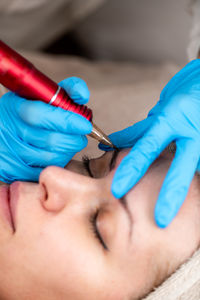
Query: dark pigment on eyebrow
[[113, 159], [86, 161]]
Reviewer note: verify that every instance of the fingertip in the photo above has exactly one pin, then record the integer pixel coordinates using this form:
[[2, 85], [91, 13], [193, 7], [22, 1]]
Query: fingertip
[[114, 142], [77, 89], [86, 125], [161, 222], [78, 124], [163, 214], [104, 147], [84, 142], [115, 191], [119, 185], [83, 94]]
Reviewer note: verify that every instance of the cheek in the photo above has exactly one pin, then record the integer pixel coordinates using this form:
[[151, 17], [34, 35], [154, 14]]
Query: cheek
[[143, 197], [141, 202], [63, 258]]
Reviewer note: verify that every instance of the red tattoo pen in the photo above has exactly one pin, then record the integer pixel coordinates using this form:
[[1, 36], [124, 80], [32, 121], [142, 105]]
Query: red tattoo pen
[[20, 76]]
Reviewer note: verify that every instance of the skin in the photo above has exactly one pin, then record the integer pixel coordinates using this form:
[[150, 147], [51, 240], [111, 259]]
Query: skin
[[52, 253]]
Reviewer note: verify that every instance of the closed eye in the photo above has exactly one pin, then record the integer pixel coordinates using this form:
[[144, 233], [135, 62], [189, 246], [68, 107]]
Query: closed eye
[[95, 230]]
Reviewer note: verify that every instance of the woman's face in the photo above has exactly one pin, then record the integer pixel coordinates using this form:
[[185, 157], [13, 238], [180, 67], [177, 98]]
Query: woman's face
[[69, 238]]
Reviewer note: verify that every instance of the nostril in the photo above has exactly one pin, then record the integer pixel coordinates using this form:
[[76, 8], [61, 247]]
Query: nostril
[[52, 200], [45, 196]]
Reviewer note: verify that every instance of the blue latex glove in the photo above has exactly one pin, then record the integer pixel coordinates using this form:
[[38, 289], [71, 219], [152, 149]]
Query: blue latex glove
[[176, 117], [34, 134]]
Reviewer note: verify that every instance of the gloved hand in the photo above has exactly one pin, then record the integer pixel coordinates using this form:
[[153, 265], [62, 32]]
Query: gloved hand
[[34, 134], [176, 117]]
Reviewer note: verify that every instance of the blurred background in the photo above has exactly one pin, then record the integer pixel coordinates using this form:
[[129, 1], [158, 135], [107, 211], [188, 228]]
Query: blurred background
[[144, 30], [126, 50], [140, 30]]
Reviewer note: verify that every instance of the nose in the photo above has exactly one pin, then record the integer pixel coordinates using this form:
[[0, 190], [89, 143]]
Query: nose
[[64, 187]]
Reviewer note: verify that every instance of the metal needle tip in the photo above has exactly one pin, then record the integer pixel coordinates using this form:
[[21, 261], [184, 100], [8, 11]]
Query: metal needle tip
[[99, 135]]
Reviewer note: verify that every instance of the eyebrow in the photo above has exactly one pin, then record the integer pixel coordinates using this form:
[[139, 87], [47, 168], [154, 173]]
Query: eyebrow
[[124, 203], [112, 163], [113, 159]]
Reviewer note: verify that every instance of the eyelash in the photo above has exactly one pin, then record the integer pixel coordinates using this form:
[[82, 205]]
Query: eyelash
[[95, 230]]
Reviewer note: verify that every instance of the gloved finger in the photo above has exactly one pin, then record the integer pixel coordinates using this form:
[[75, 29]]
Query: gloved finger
[[127, 137], [17, 170], [51, 140], [26, 157], [29, 155], [155, 110], [198, 166], [34, 158], [183, 75], [39, 114], [77, 89], [136, 163], [177, 182]]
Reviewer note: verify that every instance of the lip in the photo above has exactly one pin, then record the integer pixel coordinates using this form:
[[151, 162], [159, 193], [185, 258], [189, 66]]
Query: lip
[[5, 209], [14, 197]]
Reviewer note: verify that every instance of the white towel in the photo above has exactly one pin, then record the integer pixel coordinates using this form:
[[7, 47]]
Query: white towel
[[184, 284]]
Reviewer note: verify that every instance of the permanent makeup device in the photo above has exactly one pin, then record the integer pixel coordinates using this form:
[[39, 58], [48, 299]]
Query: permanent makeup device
[[20, 76]]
